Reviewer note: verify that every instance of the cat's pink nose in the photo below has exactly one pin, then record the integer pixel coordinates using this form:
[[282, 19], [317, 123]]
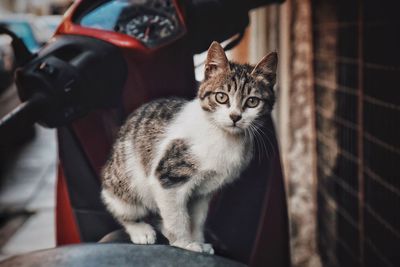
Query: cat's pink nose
[[235, 117]]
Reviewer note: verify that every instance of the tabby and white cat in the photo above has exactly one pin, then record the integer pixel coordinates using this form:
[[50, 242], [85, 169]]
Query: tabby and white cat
[[172, 154]]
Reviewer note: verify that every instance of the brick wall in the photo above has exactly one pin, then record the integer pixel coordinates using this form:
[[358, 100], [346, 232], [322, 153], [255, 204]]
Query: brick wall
[[357, 100]]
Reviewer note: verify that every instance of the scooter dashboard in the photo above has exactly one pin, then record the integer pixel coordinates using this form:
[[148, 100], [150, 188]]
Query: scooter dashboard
[[152, 22]]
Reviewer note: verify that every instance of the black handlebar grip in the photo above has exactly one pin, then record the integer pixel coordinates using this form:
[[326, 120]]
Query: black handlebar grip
[[24, 114]]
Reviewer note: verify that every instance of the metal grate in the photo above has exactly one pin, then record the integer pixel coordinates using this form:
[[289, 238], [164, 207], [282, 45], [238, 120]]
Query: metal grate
[[356, 84]]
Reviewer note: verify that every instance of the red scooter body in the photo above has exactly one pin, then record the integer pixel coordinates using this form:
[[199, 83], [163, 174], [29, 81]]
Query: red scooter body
[[247, 221]]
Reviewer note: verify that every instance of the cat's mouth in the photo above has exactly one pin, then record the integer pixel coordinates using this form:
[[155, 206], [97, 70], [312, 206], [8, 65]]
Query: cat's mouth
[[234, 129]]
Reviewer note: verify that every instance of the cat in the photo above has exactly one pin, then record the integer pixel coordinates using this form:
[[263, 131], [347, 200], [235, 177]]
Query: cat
[[172, 155]]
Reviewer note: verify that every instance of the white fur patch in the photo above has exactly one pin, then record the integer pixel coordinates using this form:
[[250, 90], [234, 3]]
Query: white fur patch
[[121, 208], [139, 180]]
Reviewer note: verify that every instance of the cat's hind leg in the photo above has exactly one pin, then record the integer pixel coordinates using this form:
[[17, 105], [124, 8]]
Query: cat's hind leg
[[130, 216]]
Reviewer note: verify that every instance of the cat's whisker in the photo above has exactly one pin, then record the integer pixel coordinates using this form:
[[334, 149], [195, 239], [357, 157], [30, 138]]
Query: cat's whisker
[[262, 133], [261, 129], [255, 141], [246, 137], [256, 135], [263, 142], [269, 141], [249, 138], [259, 142], [262, 125], [272, 145], [256, 144]]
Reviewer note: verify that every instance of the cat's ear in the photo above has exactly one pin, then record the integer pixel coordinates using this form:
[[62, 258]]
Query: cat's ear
[[216, 62], [267, 65]]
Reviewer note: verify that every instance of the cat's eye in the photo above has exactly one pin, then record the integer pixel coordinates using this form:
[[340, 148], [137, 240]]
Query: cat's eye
[[252, 102], [221, 98]]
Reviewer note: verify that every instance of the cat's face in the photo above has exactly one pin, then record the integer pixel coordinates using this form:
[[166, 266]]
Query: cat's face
[[236, 96]]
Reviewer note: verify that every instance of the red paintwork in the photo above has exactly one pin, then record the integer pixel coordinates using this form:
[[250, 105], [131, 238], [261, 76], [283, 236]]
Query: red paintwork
[[66, 229], [118, 39], [148, 78]]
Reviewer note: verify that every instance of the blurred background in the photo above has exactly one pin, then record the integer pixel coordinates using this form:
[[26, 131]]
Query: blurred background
[[337, 118], [28, 160]]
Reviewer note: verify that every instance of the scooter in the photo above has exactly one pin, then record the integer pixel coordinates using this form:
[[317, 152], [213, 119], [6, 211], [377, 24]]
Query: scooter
[[106, 59]]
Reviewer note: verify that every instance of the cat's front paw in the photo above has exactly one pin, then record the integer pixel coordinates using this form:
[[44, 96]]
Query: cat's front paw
[[200, 247], [195, 246], [141, 233]]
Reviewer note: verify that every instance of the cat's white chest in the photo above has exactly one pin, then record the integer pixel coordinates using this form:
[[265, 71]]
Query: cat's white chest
[[215, 151], [223, 159]]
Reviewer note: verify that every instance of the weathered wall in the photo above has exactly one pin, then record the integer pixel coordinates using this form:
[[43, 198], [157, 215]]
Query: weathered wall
[[297, 129]]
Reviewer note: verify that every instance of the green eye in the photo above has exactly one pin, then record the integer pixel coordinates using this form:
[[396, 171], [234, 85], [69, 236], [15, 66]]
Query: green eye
[[252, 102], [221, 98]]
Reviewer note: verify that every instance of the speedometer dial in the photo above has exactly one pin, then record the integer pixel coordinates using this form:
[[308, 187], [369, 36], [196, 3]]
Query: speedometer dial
[[150, 28], [152, 22]]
